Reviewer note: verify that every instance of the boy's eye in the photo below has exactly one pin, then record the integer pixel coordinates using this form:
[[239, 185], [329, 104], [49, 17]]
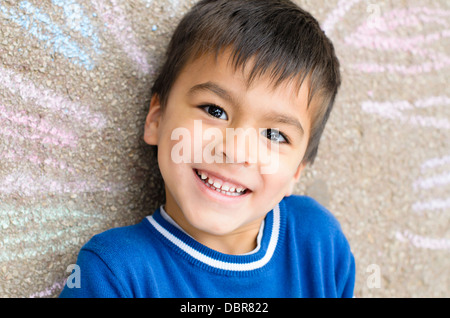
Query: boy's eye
[[274, 135], [215, 111]]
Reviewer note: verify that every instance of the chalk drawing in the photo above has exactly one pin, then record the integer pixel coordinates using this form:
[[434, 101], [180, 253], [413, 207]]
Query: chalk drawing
[[342, 7], [20, 216], [46, 98], [32, 127], [435, 162], [23, 243], [431, 182], [78, 21], [440, 180], [170, 5], [35, 244], [29, 185], [41, 129], [423, 47], [56, 287], [383, 38], [401, 111], [25, 155], [19, 133], [40, 25], [432, 205], [423, 241], [117, 24]]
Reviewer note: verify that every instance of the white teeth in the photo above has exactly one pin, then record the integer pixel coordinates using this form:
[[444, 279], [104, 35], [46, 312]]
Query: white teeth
[[225, 189]]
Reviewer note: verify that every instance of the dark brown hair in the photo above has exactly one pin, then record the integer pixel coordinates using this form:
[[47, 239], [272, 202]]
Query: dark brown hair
[[284, 41]]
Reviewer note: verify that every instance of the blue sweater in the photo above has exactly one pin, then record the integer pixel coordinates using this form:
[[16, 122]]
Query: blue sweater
[[303, 253]]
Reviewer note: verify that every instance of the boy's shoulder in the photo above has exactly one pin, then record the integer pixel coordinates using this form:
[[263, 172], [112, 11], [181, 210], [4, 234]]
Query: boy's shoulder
[[308, 218], [308, 209], [316, 235], [112, 262], [125, 241]]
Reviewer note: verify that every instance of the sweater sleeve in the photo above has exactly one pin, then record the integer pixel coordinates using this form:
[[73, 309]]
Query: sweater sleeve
[[96, 279], [344, 264], [349, 282]]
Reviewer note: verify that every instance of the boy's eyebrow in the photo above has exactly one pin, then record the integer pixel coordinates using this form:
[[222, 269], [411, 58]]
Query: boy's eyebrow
[[221, 92], [216, 89], [285, 119]]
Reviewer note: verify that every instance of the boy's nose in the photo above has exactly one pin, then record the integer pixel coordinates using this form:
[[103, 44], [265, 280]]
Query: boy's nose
[[239, 146]]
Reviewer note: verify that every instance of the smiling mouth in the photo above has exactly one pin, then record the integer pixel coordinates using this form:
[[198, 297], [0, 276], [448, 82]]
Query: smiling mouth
[[221, 186]]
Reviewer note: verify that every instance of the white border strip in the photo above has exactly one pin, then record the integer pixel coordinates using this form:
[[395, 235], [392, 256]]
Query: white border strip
[[220, 264]]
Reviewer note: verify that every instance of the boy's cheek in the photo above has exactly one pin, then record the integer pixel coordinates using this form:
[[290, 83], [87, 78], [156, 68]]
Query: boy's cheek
[[283, 178]]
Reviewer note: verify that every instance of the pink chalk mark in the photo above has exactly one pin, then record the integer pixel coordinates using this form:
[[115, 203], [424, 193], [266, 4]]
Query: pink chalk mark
[[432, 182], [376, 36], [23, 134], [381, 36], [435, 162], [56, 287], [46, 132], [114, 17], [423, 241], [337, 14], [46, 98], [426, 67], [432, 205], [439, 180], [398, 110], [19, 154], [28, 185]]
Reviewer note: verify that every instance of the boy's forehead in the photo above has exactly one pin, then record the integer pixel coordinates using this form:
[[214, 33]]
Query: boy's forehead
[[220, 71]]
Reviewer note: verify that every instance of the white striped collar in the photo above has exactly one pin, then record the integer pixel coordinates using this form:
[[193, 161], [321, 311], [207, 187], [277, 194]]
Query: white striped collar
[[214, 259], [168, 218]]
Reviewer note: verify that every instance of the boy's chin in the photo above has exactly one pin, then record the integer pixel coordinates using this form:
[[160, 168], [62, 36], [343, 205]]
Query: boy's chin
[[215, 224], [215, 227]]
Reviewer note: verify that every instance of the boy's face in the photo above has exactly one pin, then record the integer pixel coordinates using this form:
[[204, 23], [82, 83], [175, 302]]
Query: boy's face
[[197, 133]]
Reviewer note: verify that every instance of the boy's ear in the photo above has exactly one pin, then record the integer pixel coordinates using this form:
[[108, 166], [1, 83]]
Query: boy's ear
[[152, 121], [295, 178]]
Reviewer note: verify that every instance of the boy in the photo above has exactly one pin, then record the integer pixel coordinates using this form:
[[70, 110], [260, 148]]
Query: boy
[[236, 113]]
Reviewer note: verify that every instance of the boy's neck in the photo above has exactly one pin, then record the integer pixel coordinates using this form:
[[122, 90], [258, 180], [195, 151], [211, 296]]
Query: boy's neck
[[232, 244], [239, 242]]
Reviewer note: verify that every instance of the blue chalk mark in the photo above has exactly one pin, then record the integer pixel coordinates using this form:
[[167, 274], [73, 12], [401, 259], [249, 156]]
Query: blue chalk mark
[[19, 217], [26, 243], [78, 21], [25, 246], [40, 25]]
